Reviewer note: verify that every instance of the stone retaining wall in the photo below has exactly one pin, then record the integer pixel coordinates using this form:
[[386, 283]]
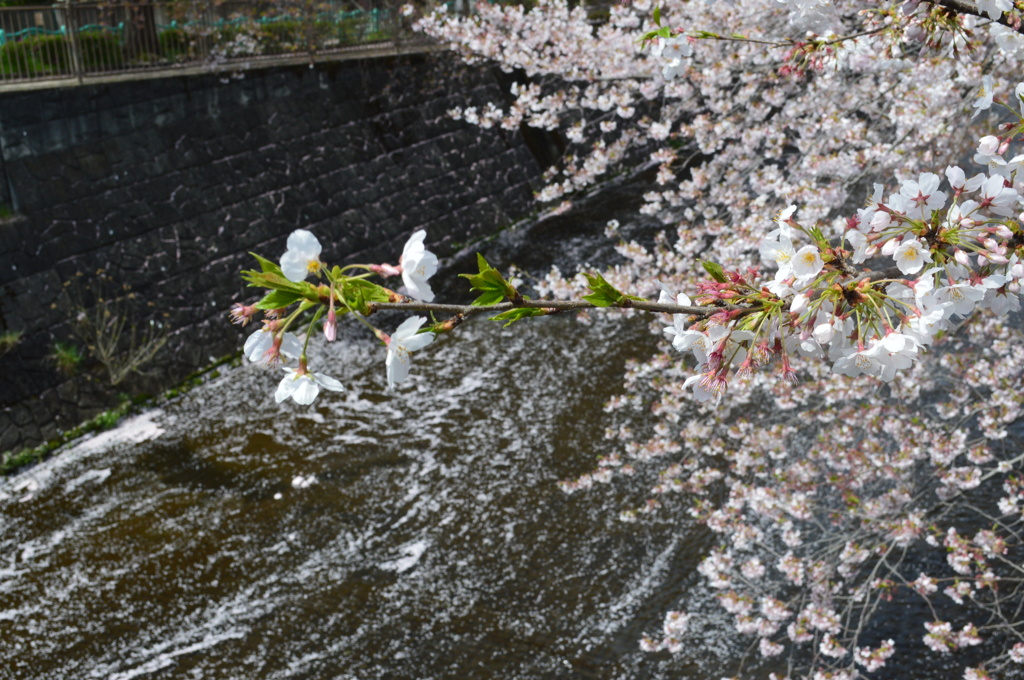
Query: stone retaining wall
[[167, 184]]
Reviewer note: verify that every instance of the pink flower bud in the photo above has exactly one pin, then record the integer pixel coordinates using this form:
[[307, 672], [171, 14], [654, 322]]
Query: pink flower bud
[[242, 314], [331, 325], [1002, 231], [386, 270]]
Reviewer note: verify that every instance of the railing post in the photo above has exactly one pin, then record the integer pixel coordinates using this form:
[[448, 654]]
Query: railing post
[[71, 26], [397, 22]]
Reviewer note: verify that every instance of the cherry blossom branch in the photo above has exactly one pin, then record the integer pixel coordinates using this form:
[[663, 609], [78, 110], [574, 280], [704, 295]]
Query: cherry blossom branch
[[788, 42], [555, 306], [964, 7]]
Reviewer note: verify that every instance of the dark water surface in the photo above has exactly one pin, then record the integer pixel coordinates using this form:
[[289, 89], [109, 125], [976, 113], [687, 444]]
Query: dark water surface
[[434, 541]]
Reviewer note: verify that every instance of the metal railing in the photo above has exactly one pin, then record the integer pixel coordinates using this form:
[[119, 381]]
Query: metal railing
[[76, 40]]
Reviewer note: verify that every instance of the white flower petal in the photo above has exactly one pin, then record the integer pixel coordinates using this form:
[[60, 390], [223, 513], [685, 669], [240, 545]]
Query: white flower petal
[[306, 390], [417, 288], [257, 344], [404, 341], [418, 342], [287, 386], [294, 266], [409, 327], [304, 243], [807, 263], [397, 364], [418, 265], [303, 248], [415, 243], [328, 383], [291, 346]]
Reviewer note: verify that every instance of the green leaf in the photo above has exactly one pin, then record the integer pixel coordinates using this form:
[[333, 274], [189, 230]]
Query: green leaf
[[492, 286], [714, 270], [491, 297], [600, 300], [818, 237], [278, 299], [605, 294], [266, 265], [517, 314], [359, 293], [649, 36], [657, 16], [273, 281]]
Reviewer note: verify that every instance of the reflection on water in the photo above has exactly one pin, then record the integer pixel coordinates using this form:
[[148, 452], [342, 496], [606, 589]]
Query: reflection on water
[[410, 534]]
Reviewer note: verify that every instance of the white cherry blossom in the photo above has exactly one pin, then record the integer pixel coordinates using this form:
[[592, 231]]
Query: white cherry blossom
[[405, 340], [807, 263], [678, 328], [303, 386], [862, 248], [995, 8], [302, 257], [999, 198], [267, 347], [780, 251], [984, 100], [673, 51], [923, 195], [911, 256], [988, 150], [958, 180], [418, 264]]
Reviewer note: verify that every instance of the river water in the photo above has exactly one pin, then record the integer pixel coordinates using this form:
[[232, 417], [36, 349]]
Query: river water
[[415, 533]]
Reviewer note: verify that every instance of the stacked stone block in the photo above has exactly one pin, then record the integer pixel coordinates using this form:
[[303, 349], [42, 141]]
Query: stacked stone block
[[167, 184]]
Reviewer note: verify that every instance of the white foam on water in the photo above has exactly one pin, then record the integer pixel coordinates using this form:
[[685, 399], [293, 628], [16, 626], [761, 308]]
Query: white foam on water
[[413, 551], [215, 624], [95, 476], [134, 430], [25, 486], [165, 659], [303, 482]]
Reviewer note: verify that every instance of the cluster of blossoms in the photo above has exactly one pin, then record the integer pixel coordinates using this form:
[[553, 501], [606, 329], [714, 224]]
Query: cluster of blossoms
[[733, 100], [336, 292], [945, 262], [821, 490], [920, 269]]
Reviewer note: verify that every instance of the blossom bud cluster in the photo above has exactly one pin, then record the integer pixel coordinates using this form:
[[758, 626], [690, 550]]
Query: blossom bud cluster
[[275, 342], [947, 257]]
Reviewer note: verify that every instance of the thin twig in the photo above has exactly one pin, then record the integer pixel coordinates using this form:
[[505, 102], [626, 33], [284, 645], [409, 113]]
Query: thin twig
[[411, 305]]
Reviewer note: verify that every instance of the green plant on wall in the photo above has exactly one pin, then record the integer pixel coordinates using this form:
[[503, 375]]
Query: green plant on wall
[[66, 357], [108, 323], [9, 340]]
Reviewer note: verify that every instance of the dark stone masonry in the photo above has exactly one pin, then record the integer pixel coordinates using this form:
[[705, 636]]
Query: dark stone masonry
[[167, 184]]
